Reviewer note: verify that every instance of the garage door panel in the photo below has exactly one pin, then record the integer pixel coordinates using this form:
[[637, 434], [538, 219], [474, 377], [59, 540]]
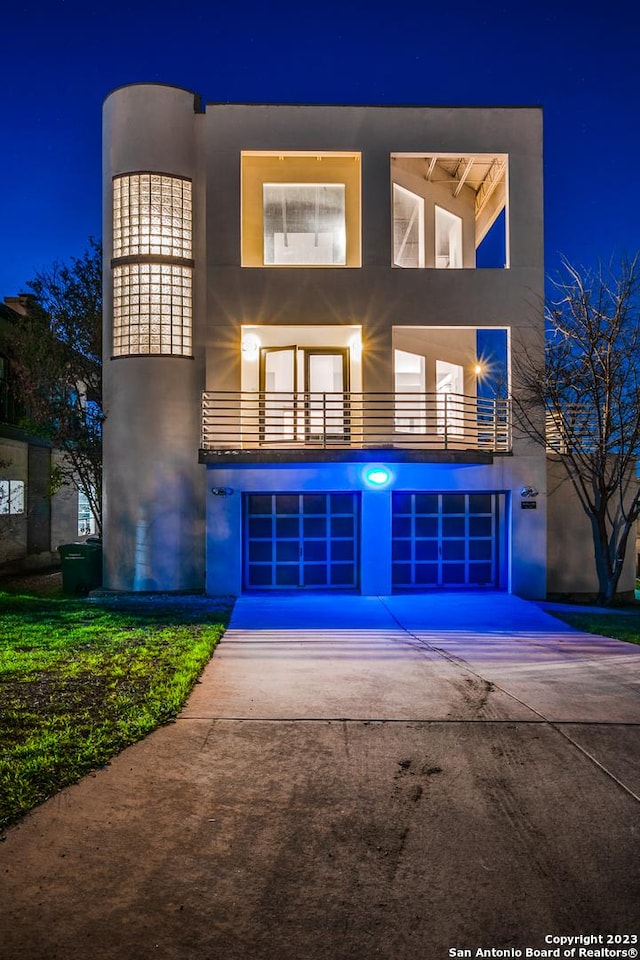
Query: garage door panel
[[446, 540], [297, 540]]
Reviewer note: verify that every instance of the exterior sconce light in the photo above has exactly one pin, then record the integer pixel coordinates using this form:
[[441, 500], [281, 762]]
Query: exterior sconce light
[[528, 493], [250, 346], [355, 346], [221, 491]]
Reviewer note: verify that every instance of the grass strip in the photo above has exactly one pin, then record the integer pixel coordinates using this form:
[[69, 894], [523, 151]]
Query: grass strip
[[621, 626], [82, 679]]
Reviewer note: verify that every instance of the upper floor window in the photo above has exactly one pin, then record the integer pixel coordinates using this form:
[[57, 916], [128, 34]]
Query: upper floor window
[[448, 239], [304, 223], [300, 209], [408, 228], [152, 215], [450, 210]]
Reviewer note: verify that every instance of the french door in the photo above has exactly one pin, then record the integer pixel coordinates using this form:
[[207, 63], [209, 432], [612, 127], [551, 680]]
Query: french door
[[304, 393]]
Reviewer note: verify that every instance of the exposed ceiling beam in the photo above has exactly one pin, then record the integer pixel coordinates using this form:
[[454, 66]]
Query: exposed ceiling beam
[[431, 167], [465, 174], [489, 184]]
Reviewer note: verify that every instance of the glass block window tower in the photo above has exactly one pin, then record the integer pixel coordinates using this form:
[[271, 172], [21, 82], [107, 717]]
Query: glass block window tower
[[152, 265]]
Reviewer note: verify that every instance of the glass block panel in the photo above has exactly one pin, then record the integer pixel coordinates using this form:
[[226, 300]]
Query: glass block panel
[[148, 316], [304, 223], [152, 214]]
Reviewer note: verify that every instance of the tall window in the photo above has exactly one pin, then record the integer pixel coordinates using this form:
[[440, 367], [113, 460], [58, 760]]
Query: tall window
[[304, 223], [408, 228], [410, 385], [153, 269], [448, 239]]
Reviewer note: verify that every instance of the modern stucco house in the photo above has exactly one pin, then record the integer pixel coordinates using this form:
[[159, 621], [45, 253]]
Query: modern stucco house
[[310, 319]]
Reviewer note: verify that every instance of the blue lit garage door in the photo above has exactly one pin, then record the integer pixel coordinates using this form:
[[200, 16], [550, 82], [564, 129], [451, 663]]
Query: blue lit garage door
[[446, 540], [295, 540]]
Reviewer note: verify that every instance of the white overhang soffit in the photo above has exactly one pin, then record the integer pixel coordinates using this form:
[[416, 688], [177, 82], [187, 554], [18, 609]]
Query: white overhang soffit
[[482, 173]]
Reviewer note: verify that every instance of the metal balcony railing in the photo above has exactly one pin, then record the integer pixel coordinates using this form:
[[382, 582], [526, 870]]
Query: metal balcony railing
[[255, 420]]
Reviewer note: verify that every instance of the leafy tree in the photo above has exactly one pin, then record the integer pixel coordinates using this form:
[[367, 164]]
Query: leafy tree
[[57, 350], [584, 403]]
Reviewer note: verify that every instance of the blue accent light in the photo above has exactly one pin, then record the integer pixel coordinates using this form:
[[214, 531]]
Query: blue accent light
[[377, 476]]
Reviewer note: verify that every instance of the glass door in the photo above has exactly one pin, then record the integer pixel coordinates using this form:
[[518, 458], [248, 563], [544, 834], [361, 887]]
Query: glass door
[[450, 404], [278, 386], [326, 382]]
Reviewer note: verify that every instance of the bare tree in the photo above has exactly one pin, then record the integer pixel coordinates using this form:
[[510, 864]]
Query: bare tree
[[57, 350], [584, 403]]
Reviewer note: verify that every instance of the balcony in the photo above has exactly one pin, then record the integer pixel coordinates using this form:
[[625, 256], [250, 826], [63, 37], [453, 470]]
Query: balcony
[[258, 425]]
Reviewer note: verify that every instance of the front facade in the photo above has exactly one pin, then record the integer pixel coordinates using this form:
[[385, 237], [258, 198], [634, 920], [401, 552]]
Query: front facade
[[311, 315]]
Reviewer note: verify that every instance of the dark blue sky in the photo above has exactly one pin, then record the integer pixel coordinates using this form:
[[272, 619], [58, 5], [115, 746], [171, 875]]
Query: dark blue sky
[[60, 58]]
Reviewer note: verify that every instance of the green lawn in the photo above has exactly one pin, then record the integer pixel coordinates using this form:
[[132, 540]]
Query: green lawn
[[81, 679], [623, 626]]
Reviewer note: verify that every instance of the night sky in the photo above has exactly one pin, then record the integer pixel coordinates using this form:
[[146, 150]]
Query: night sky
[[579, 61]]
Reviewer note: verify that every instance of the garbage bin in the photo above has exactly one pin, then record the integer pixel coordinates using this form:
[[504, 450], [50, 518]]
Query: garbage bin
[[81, 565]]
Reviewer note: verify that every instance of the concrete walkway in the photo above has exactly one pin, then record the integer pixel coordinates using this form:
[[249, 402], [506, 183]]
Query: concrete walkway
[[353, 777]]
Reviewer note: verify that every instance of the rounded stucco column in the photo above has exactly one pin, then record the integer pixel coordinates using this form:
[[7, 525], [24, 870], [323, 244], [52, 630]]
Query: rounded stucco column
[[153, 484]]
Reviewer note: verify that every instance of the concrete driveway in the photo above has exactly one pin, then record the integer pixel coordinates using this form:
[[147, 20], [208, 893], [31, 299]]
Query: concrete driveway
[[354, 777]]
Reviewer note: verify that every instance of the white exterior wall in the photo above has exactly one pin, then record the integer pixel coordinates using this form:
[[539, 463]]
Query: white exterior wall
[[153, 486]]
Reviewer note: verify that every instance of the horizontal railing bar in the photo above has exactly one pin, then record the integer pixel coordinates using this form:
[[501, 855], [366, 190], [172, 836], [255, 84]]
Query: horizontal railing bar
[[298, 419]]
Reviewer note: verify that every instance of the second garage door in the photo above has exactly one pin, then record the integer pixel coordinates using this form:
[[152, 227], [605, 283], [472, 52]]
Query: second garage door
[[447, 540]]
